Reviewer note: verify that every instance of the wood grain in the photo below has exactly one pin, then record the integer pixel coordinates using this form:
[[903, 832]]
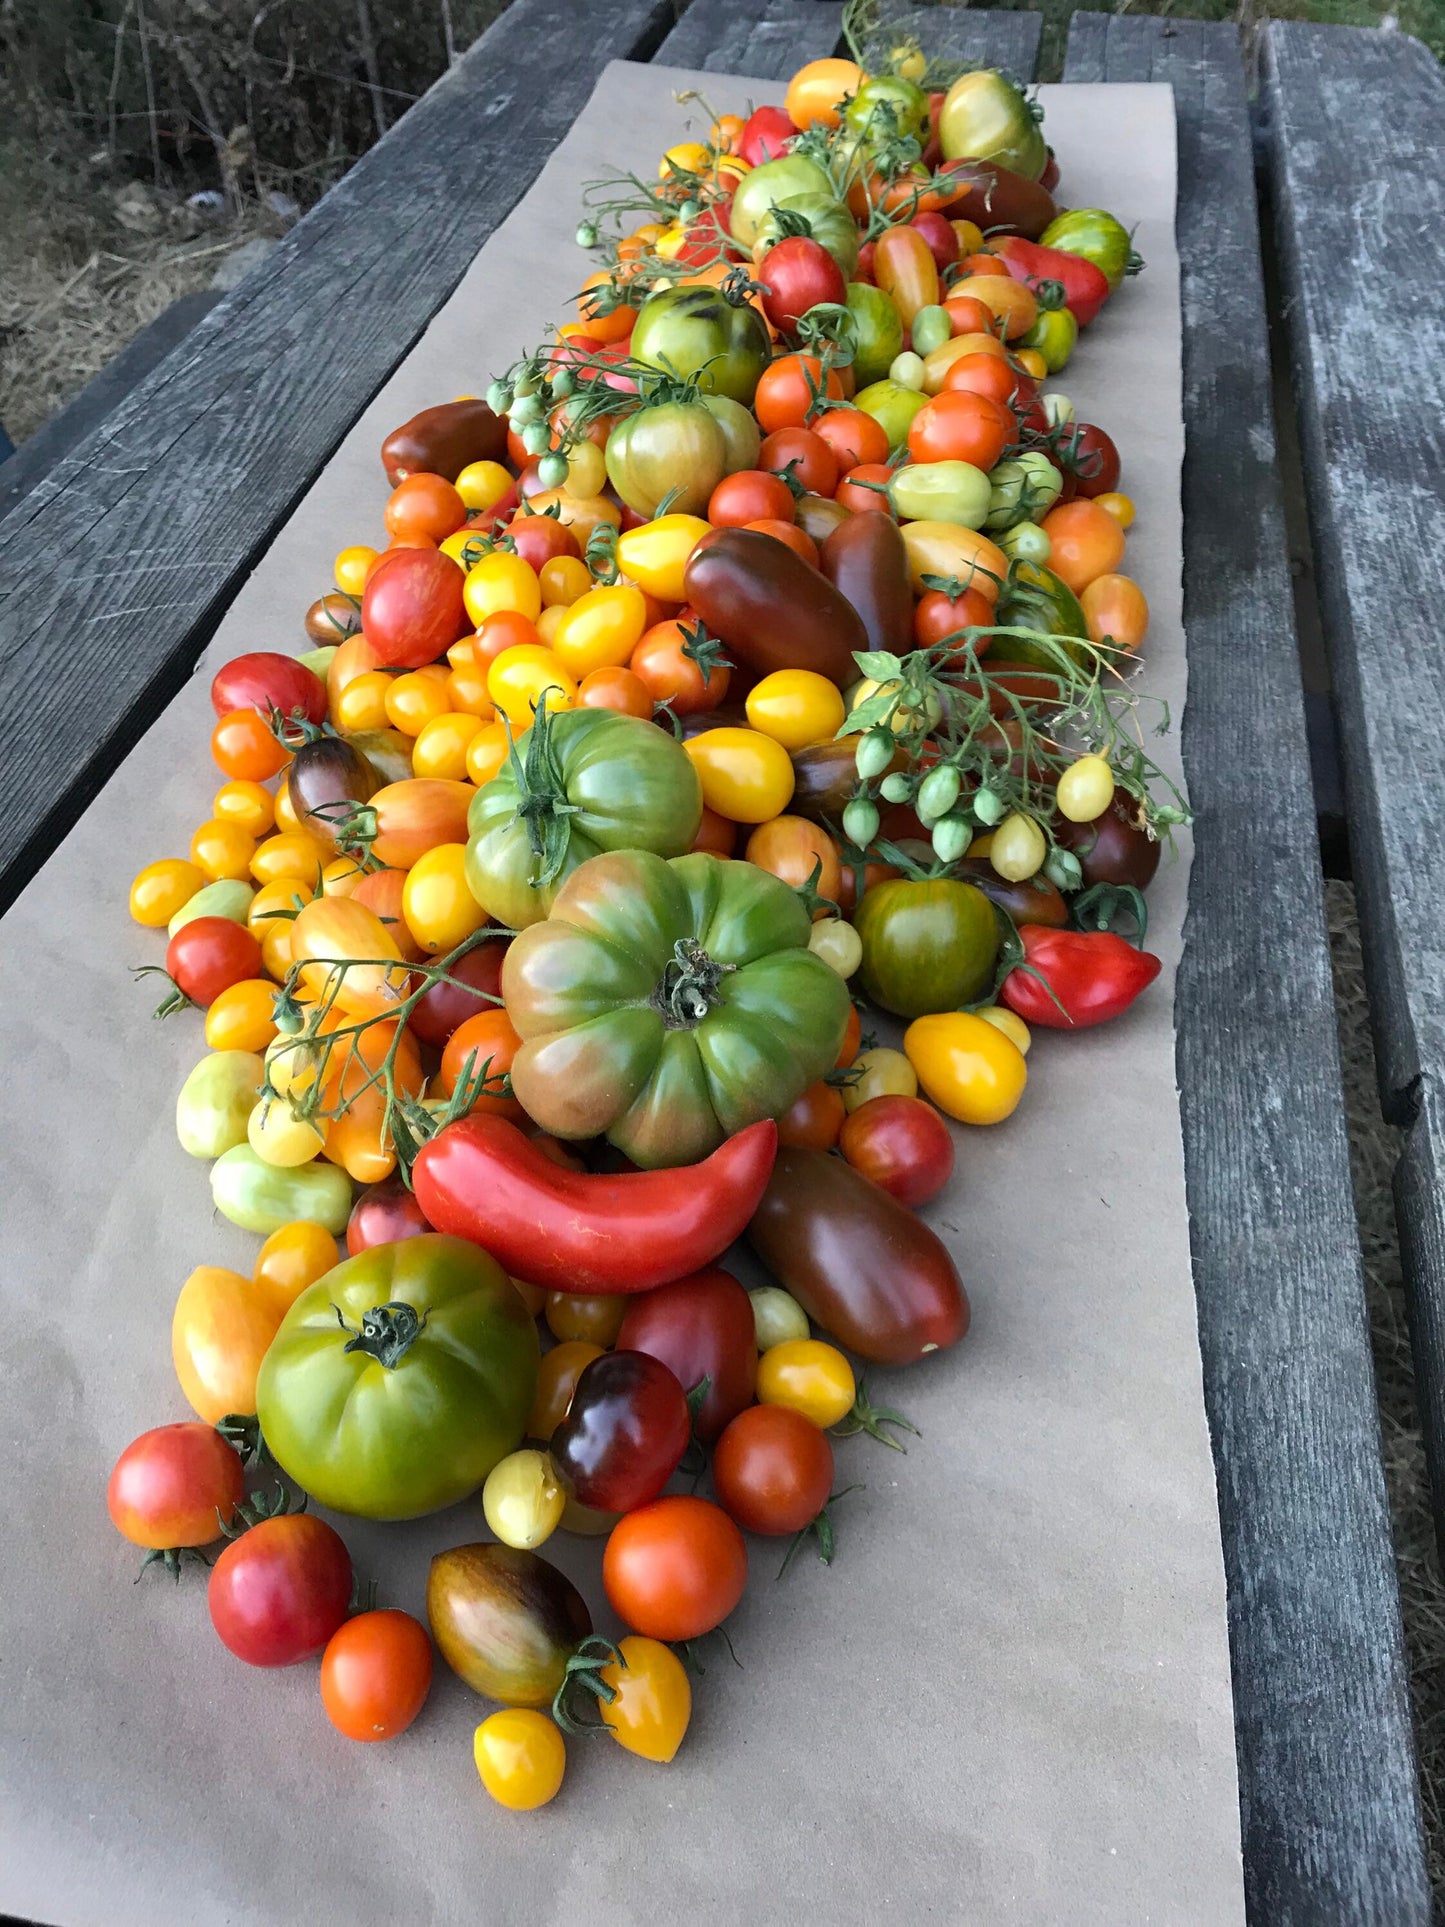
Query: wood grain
[[767, 38], [1330, 1809], [115, 569]]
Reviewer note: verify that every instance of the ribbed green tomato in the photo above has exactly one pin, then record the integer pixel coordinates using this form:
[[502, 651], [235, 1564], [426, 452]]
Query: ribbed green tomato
[[668, 1005], [675, 449], [580, 781], [1098, 237], [698, 331], [928, 945], [986, 118], [941, 492], [398, 1380]]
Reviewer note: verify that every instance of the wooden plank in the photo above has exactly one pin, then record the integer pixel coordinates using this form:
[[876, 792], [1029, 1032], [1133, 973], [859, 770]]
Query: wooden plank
[[85, 411], [1330, 1807], [966, 37], [770, 39], [116, 567]]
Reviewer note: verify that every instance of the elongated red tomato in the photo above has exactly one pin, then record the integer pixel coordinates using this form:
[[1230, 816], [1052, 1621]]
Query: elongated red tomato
[[576, 1231], [264, 680]]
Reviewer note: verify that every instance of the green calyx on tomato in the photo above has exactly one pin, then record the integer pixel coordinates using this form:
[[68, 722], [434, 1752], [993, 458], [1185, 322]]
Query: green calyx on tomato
[[783, 179], [398, 1380], [986, 118], [928, 945], [703, 334], [581, 781], [669, 1005]]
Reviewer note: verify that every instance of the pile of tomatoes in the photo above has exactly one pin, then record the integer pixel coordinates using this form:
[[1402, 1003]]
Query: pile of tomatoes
[[761, 634]]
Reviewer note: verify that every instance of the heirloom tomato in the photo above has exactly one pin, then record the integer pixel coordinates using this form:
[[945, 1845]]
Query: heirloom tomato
[[796, 708], [669, 1005], [522, 1500], [682, 666], [505, 1620], [674, 1569], [985, 117], [208, 955], [347, 952], [557, 1377], [815, 1118], [384, 1214], [475, 986], [655, 555], [702, 332], [651, 1705], [262, 1197], [265, 680], [817, 92], [398, 1380], [412, 608], [164, 887], [220, 1330], [376, 1674], [1085, 541], [601, 629], [483, 1046], [520, 1758], [773, 1470], [806, 1376], [175, 1486], [244, 748], [279, 1592], [967, 1065], [776, 183], [745, 776], [293, 1258], [438, 906], [595, 1318], [624, 1433], [900, 1143], [216, 1100], [402, 821], [1097, 237], [242, 1017], [674, 450], [927, 945]]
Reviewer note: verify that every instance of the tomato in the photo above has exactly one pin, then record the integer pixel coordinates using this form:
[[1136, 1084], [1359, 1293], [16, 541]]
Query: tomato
[[964, 555], [162, 888], [209, 955], [807, 458], [797, 851], [1085, 789], [265, 680], [796, 708], [346, 952], [431, 1353], [806, 1376], [702, 332], [523, 1500], [1112, 848], [857, 494], [901, 1144], [260, 1197], [593, 1318], [477, 987], [220, 1329], [938, 615], [483, 1046], [1116, 611], [501, 584], [701, 1327], [245, 749], [174, 1487], [779, 181], [674, 1569], [773, 1470], [292, 1258], [521, 1758], [652, 1699], [557, 1377], [562, 580], [540, 539], [815, 1118], [439, 909], [748, 496], [621, 690], [412, 609], [624, 1433], [798, 274], [281, 1136], [967, 1066], [743, 995], [960, 425], [385, 1213], [376, 1670], [402, 821], [682, 666], [601, 629], [927, 945], [790, 388], [290, 853], [817, 92], [350, 568], [279, 1592], [772, 609], [990, 375], [854, 437], [655, 555], [1097, 237], [505, 1620], [442, 744], [1085, 542], [745, 776], [985, 117], [905, 269]]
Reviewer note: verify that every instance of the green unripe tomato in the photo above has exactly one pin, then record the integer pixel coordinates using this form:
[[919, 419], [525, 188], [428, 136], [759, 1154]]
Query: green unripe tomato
[[838, 944], [951, 838], [987, 808], [860, 821], [216, 1100], [262, 1197], [1063, 869], [896, 787], [937, 793], [1025, 542], [777, 1317], [1053, 334], [874, 753], [931, 328], [907, 370], [229, 898]]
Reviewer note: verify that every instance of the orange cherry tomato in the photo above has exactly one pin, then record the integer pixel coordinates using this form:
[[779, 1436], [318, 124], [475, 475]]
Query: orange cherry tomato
[[425, 506], [747, 496], [865, 501], [816, 92], [990, 375], [376, 1674], [789, 388], [715, 834], [791, 847], [672, 675], [1116, 610], [788, 532], [381, 891], [1086, 542], [814, 1121], [853, 437], [619, 689], [245, 749], [961, 427], [617, 325], [803, 454], [487, 1039], [968, 315]]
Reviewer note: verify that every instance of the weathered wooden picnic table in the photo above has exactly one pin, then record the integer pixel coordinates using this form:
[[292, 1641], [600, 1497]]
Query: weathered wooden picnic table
[[132, 545]]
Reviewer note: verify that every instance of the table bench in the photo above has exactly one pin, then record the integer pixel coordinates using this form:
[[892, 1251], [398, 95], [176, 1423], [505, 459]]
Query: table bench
[[134, 542]]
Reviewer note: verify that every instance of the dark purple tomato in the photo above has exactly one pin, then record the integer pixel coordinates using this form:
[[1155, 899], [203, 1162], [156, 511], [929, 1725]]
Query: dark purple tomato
[[267, 680], [446, 1006], [900, 1144], [1092, 458], [1112, 849], [700, 1327], [625, 1431], [384, 1214]]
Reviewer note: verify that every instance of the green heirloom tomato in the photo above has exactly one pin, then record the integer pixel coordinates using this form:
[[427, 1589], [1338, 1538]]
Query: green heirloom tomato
[[228, 898], [1022, 490], [1033, 597], [784, 179], [741, 434], [1053, 334], [886, 107], [928, 946], [398, 1380], [580, 781], [675, 449], [262, 1197], [1097, 237], [216, 1100], [892, 406], [506, 1621], [669, 1005], [874, 329], [698, 331], [986, 118], [932, 326], [818, 216], [941, 492]]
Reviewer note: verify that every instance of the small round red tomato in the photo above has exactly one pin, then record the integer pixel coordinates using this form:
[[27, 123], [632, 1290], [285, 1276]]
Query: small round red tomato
[[773, 1470], [814, 1119], [265, 680], [674, 1569], [208, 955], [900, 1144], [384, 1214], [798, 273], [937, 615], [624, 1433], [682, 666], [960, 426], [789, 387], [749, 495], [376, 1674], [700, 1327], [445, 1006], [871, 499], [280, 1591], [170, 1484], [244, 747], [806, 456], [412, 609], [541, 538], [853, 436]]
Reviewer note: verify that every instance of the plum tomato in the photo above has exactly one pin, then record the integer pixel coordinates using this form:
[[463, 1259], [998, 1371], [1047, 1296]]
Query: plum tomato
[[376, 1674], [773, 1470], [384, 1214], [279, 1592], [626, 1429], [208, 955], [674, 1569], [700, 1327], [264, 680], [175, 1487], [900, 1144]]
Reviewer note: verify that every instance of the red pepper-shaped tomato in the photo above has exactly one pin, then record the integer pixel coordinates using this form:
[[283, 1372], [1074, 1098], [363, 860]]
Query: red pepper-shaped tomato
[[995, 197], [1085, 286], [576, 1231], [859, 1263], [867, 563], [444, 440], [772, 609], [1093, 974], [701, 1327]]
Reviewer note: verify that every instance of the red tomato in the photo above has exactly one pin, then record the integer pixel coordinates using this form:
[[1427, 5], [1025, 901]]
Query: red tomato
[[700, 1327], [538, 538], [937, 615], [748, 495], [968, 314], [902, 1145], [1090, 456], [767, 133], [865, 501], [853, 436], [789, 387], [208, 955], [624, 1433], [797, 274], [773, 1470], [384, 1214], [505, 630], [689, 682], [280, 1591], [376, 1674], [939, 234], [444, 1006], [715, 833], [993, 376], [245, 749], [804, 455], [425, 508], [412, 610], [814, 1119], [266, 680], [798, 540], [959, 426], [169, 1485], [674, 1569]]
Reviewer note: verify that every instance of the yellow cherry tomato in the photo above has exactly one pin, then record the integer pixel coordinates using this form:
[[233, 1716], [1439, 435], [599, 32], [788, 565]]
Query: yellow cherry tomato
[[482, 485], [550, 621], [268, 921], [501, 581], [655, 555], [467, 694], [286, 817], [796, 708], [1085, 789], [970, 236], [529, 676], [522, 1499], [600, 630], [486, 753], [241, 1017], [290, 853], [341, 876], [362, 703], [438, 907], [349, 571], [586, 470], [414, 700], [293, 1258], [652, 1699], [1010, 1023], [248, 804], [688, 157], [881, 1073], [809, 1377], [441, 746], [745, 776], [557, 1377], [162, 888], [279, 1137], [1032, 362], [967, 1066], [1018, 848], [562, 579], [520, 1758], [1121, 507], [220, 1330], [222, 851]]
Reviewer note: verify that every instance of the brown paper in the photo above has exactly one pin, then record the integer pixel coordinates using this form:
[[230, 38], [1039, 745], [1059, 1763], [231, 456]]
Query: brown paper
[[1007, 1701]]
